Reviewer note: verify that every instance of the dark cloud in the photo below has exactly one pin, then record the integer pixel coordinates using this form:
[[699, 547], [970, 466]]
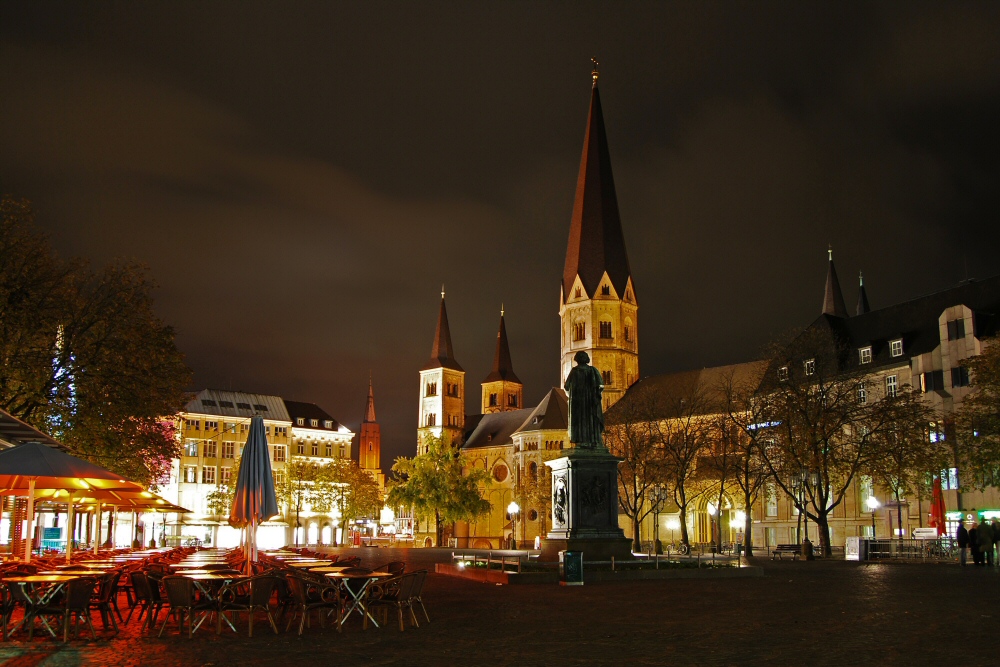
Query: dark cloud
[[301, 178]]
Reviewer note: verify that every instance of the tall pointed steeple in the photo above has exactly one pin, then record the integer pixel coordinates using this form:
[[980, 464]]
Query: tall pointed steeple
[[370, 442], [370, 403], [833, 299], [596, 242], [863, 306], [597, 305], [442, 355], [502, 390]]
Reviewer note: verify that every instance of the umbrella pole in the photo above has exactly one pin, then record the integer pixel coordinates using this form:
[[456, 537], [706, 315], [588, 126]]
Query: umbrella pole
[[69, 528], [97, 529], [29, 538]]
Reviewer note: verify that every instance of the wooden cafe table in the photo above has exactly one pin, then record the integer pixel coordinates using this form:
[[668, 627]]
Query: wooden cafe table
[[356, 598], [39, 590]]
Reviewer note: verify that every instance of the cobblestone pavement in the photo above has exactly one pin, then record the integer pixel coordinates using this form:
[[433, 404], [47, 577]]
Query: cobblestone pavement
[[816, 613]]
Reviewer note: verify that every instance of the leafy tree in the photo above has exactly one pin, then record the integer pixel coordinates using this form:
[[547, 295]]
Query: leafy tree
[[84, 357], [440, 483], [977, 448], [355, 492]]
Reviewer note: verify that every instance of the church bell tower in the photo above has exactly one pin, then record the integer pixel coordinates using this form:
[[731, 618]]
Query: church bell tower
[[597, 303], [442, 390]]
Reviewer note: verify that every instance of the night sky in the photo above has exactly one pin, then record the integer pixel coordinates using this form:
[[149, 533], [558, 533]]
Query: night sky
[[302, 177]]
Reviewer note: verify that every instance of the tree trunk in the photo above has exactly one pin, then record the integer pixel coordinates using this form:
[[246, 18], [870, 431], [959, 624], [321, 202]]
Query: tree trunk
[[636, 538], [438, 529], [899, 518], [823, 528], [685, 540], [110, 542], [747, 527]]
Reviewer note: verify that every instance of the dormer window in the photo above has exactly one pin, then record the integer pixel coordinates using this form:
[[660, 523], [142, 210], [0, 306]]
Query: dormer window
[[605, 290], [809, 367], [327, 424], [783, 373], [865, 355], [896, 348], [314, 422], [300, 421]]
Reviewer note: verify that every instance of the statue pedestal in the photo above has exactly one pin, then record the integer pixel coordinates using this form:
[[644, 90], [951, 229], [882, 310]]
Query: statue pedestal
[[585, 507]]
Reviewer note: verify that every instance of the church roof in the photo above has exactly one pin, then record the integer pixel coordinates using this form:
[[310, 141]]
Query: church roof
[[442, 355], [370, 404], [310, 411], [596, 242], [495, 429], [503, 369], [833, 298], [550, 414]]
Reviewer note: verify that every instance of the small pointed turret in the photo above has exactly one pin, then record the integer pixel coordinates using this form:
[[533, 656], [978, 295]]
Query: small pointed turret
[[442, 355], [370, 403], [502, 390], [503, 369], [863, 306], [833, 299]]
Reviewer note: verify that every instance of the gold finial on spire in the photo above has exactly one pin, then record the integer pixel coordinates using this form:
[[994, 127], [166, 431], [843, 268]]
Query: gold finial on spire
[[594, 73], [861, 279], [501, 309], [829, 250], [442, 291]]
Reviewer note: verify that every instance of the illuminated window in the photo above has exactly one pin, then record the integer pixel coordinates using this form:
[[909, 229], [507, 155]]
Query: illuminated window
[[191, 448], [314, 450], [227, 450], [190, 474], [314, 422], [279, 477], [329, 449], [891, 385], [772, 501], [579, 331], [280, 453], [783, 373], [809, 367], [225, 475], [896, 348], [208, 475], [865, 355], [211, 449], [862, 394], [606, 330]]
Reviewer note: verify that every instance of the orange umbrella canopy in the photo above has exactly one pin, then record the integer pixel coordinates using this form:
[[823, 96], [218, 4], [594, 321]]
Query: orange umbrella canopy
[[53, 469], [138, 501]]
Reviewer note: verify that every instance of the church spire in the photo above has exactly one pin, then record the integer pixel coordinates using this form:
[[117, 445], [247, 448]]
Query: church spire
[[442, 355], [863, 306], [503, 369], [833, 299], [596, 242], [370, 403]]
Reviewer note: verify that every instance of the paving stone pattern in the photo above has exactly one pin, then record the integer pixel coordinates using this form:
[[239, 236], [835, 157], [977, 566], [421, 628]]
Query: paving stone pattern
[[815, 613]]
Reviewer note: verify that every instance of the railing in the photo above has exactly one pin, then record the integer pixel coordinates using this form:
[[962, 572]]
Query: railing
[[943, 548], [503, 559]]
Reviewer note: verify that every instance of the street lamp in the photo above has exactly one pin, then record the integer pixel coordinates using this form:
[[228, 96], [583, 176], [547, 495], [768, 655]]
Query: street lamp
[[513, 510], [673, 523], [741, 519], [659, 496], [872, 503]]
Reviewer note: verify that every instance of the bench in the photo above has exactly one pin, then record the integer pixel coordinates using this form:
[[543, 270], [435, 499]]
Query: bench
[[781, 549]]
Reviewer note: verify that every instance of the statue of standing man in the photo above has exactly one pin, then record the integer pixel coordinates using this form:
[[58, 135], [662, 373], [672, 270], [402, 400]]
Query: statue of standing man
[[584, 388]]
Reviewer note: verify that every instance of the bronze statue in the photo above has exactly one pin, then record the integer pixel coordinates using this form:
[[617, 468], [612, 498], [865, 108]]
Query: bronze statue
[[584, 388]]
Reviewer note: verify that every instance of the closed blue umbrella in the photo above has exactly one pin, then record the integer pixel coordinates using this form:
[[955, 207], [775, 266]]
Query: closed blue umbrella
[[255, 501]]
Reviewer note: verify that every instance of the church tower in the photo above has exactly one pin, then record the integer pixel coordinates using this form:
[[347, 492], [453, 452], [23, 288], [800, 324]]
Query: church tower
[[597, 304], [502, 390], [370, 444], [833, 298], [442, 390]]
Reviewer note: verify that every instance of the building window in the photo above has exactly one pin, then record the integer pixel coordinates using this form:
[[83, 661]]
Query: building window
[[280, 431], [862, 394], [896, 348], [225, 404], [956, 330], [244, 427], [327, 424], [452, 420], [300, 421], [225, 475], [243, 406], [783, 373], [579, 331], [493, 400], [453, 389], [533, 471], [606, 376], [208, 475], [329, 450], [227, 449], [809, 367], [627, 333], [511, 400], [628, 293], [314, 450], [193, 424], [578, 293], [932, 381], [314, 423], [606, 330], [280, 453], [949, 479], [211, 450], [267, 430], [300, 448], [279, 477], [605, 290], [191, 448], [431, 419], [190, 474], [228, 427], [341, 451], [891, 385], [960, 377], [865, 355], [211, 425], [772, 501]]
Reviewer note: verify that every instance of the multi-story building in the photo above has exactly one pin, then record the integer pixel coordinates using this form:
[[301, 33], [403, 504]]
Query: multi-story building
[[213, 428]]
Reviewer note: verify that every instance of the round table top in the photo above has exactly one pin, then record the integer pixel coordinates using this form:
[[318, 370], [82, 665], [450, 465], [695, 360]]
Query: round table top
[[42, 578], [196, 566], [75, 572], [329, 568], [214, 576], [309, 563], [369, 575]]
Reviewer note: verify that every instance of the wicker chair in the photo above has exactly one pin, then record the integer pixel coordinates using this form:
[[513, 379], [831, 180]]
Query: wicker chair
[[250, 595], [182, 599], [397, 593], [76, 603], [310, 596]]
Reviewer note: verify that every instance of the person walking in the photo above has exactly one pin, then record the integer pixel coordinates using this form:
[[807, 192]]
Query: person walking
[[962, 537], [985, 537], [977, 555], [996, 540]]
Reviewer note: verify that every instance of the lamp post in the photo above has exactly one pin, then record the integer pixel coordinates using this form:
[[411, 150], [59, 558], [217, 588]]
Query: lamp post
[[673, 523], [872, 503], [513, 510], [659, 495]]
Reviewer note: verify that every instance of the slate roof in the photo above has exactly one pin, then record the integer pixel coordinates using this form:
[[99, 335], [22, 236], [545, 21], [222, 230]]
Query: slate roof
[[503, 368], [863, 305], [309, 411], [442, 355], [833, 298], [495, 429], [550, 414], [916, 321], [239, 404], [13, 432], [596, 242]]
